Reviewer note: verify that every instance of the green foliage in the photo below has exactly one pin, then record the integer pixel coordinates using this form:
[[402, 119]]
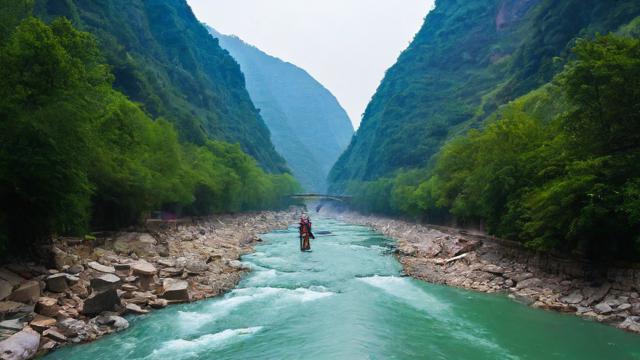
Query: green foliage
[[75, 152], [469, 59], [557, 169], [163, 58]]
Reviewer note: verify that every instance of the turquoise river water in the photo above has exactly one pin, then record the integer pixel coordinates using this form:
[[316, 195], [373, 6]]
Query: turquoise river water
[[347, 300]]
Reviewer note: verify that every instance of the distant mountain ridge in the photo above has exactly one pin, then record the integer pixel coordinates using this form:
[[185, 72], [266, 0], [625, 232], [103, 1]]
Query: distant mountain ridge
[[308, 126]]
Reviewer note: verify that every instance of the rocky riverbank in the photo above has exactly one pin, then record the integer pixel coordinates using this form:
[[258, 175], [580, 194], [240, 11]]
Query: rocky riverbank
[[478, 262], [91, 283]]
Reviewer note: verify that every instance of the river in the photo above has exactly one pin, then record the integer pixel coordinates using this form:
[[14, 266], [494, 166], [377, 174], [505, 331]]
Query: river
[[347, 300]]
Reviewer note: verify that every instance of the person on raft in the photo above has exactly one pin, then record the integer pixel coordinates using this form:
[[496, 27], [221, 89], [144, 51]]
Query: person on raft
[[305, 233]]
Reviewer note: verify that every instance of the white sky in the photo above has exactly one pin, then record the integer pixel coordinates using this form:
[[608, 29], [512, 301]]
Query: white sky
[[347, 45]]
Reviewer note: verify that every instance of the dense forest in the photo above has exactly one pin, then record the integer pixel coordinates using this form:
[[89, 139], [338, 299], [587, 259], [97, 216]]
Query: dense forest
[[163, 58], [551, 157], [308, 126], [78, 154]]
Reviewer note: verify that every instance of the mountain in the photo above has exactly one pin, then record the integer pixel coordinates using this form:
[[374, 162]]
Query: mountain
[[163, 58], [308, 126], [469, 59]]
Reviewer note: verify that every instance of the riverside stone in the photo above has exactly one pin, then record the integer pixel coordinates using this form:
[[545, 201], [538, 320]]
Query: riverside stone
[[101, 268], [20, 346], [176, 290], [603, 308], [143, 268], [573, 298], [5, 289], [10, 277], [53, 334], [47, 306], [105, 281], [101, 301], [41, 323], [28, 292], [136, 309], [57, 282]]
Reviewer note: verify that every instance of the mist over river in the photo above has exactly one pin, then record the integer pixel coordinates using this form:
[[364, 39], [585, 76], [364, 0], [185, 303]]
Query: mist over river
[[347, 299]]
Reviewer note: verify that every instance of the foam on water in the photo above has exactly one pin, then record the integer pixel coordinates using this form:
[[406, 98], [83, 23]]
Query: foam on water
[[403, 289], [182, 348]]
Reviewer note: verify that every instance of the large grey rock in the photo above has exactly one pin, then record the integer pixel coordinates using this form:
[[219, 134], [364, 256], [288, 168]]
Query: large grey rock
[[603, 308], [20, 346], [573, 298], [105, 281], [528, 283], [57, 282], [15, 324], [196, 266], [102, 268], [5, 289], [493, 269], [47, 306], [632, 323], [144, 268], [597, 294], [141, 244], [27, 293], [175, 290], [10, 277], [100, 301]]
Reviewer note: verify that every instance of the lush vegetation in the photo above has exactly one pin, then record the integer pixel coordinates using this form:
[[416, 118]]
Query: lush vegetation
[[75, 153], [469, 59], [557, 169], [164, 59], [308, 126]]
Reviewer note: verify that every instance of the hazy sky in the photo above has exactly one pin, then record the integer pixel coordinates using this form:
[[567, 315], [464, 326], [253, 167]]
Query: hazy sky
[[347, 45]]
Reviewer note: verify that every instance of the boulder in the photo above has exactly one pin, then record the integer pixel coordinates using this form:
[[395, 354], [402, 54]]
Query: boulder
[[597, 294], [5, 289], [603, 308], [28, 292], [47, 306], [77, 330], [75, 269], [573, 298], [196, 267], [142, 244], [57, 282], [122, 267], [493, 269], [521, 277], [105, 281], [100, 301], [135, 309], [159, 303], [119, 323], [529, 283], [143, 268], [41, 323], [54, 334], [9, 309], [20, 346], [10, 277], [14, 324], [632, 324], [101, 268], [175, 290]]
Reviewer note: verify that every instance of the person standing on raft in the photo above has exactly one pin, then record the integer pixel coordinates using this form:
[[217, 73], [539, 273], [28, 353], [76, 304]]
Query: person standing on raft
[[305, 233]]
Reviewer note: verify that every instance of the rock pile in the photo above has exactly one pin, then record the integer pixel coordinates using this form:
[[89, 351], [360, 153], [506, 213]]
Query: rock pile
[[477, 262], [94, 283]]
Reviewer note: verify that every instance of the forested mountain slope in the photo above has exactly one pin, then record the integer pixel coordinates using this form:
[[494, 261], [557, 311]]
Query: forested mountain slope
[[165, 59], [308, 126], [469, 58]]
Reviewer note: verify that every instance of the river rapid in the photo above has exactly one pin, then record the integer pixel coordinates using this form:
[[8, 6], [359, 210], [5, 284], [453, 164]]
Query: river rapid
[[347, 299]]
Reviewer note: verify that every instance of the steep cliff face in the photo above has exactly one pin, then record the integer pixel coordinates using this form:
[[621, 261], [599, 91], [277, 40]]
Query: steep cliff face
[[164, 58], [469, 58], [308, 126]]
